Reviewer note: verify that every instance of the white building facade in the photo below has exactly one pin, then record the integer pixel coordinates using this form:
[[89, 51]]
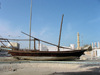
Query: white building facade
[[54, 48]]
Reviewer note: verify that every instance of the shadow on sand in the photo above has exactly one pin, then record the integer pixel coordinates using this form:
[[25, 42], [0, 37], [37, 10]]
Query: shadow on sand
[[93, 71], [89, 65], [77, 73]]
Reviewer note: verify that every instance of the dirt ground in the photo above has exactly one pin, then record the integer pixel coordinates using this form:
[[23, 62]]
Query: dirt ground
[[48, 69]]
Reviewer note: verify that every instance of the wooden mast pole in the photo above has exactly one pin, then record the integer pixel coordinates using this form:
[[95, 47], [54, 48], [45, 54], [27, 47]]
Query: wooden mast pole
[[30, 26], [60, 33], [45, 41]]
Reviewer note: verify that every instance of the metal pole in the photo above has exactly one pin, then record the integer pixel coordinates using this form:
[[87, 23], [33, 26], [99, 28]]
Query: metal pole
[[30, 26], [60, 33]]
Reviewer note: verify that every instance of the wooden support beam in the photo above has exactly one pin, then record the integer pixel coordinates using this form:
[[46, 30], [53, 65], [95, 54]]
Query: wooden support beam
[[3, 44], [38, 45], [34, 44], [10, 44], [46, 41]]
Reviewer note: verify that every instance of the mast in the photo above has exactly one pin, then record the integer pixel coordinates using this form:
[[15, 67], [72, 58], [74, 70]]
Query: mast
[[30, 26], [60, 33]]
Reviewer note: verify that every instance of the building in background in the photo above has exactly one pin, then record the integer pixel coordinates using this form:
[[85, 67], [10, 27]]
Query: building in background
[[14, 44], [54, 48], [96, 50]]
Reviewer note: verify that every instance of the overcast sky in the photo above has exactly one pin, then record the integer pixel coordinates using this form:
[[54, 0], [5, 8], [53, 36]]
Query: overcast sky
[[81, 16]]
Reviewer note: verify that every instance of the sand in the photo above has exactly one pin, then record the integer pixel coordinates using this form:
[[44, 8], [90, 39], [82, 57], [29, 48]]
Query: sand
[[48, 69]]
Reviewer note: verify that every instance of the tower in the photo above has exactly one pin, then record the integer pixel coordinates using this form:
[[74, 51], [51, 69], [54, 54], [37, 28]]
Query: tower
[[92, 45], [98, 44], [78, 41]]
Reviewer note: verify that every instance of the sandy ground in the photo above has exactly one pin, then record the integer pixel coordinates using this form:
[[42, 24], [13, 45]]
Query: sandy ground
[[48, 69]]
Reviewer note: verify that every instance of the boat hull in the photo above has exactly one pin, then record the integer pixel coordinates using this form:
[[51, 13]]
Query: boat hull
[[45, 58], [46, 55]]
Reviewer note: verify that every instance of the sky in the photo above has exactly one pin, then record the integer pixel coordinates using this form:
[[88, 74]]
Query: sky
[[81, 16]]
